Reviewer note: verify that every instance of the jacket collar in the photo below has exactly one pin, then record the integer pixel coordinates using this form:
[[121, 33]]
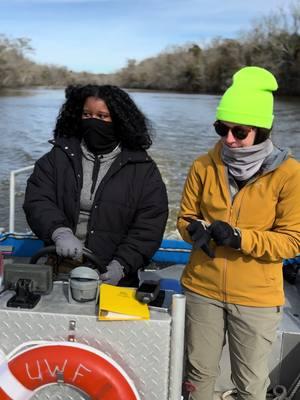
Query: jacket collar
[[134, 156], [71, 146], [215, 155]]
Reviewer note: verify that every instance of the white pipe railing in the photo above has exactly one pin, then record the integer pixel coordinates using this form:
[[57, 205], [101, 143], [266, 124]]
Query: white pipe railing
[[177, 346], [12, 193]]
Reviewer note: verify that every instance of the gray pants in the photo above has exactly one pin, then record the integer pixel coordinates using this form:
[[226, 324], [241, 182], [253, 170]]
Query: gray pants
[[251, 333]]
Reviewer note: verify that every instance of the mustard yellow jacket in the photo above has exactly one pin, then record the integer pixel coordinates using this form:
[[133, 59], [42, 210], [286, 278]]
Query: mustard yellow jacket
[[267, 212]]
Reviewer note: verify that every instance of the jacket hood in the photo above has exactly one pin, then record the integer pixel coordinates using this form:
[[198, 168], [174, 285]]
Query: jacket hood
[[276, 158]]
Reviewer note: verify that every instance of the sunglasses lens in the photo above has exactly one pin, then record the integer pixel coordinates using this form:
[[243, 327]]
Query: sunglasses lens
[[221, 129], [239, 132]]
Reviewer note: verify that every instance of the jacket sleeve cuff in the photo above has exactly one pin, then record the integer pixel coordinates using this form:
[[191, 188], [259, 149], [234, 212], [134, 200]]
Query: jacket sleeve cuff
[[126, 270], [60, 230]]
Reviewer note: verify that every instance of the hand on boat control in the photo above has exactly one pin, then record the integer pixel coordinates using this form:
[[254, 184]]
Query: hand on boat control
[[115, 272], [225, 235], [199, 233], [66, 244]]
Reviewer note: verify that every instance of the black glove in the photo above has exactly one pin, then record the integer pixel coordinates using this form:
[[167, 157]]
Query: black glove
[[200, 235], [225, 235]]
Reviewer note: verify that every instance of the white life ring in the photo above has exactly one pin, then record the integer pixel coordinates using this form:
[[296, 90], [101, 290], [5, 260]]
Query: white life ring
[[79, 365]]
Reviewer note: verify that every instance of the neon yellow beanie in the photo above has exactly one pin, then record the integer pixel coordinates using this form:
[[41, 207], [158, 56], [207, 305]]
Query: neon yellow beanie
[[249, 100]]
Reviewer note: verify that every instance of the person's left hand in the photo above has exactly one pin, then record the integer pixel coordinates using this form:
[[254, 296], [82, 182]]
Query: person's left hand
[[198, 230], [225, 235], [115, 272]]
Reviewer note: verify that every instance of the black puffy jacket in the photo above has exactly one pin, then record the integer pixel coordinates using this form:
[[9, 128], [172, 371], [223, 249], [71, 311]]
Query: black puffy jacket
[[129, 212]]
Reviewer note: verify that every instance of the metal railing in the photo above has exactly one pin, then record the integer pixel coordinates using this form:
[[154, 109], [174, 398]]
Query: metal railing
[[12, 195]]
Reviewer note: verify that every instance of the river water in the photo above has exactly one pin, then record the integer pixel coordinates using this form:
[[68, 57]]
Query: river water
[[183, 130]]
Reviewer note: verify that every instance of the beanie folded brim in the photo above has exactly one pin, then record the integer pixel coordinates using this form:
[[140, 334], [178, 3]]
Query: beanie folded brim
[[259, 121]]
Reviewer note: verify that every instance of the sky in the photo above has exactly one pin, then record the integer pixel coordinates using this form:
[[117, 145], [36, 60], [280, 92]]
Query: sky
[[99, 36]]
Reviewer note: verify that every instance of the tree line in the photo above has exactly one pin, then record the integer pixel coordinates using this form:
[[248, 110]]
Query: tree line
[[272, 42], [17, 70]]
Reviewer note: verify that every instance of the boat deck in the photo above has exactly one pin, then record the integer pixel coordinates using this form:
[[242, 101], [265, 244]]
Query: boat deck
[[284, 363]]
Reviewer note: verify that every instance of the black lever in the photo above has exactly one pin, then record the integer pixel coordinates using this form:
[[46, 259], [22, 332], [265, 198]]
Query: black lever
[[24, 298]]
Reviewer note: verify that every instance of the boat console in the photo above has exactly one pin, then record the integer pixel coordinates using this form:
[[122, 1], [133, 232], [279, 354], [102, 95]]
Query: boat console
[[29, 281]]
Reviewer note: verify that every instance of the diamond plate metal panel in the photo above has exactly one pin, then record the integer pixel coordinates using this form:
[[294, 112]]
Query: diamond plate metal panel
[[141, 348], [59, 392]]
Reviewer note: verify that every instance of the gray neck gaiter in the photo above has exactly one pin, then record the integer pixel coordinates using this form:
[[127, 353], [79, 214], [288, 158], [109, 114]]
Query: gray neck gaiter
[[244, 162]]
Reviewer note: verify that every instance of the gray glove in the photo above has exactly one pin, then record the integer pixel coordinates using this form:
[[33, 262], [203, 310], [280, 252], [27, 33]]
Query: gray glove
[[115, 272], [66, 244]]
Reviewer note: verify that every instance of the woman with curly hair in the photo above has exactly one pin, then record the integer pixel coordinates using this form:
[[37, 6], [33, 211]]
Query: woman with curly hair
[[98, 187]]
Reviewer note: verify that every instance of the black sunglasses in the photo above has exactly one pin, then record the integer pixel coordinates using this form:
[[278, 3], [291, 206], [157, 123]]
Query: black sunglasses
[[239, 132]]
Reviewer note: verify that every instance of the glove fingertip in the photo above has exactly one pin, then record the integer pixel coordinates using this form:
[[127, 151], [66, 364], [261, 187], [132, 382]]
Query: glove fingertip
[[103, 277]]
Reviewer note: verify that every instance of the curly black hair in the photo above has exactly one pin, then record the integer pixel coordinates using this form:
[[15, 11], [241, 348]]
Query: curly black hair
[[132, 127]]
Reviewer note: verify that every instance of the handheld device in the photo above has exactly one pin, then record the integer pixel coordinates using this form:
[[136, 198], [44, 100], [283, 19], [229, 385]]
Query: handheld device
[[147, 291]]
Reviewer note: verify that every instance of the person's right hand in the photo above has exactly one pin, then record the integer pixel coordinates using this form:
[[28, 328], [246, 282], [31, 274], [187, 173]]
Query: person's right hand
[[200, 235], [66, 243]]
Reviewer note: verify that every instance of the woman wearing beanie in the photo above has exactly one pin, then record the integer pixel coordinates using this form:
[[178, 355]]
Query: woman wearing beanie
[[240, 208]]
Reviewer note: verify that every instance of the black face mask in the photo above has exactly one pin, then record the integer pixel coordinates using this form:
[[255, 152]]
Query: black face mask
[[98, 135]]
